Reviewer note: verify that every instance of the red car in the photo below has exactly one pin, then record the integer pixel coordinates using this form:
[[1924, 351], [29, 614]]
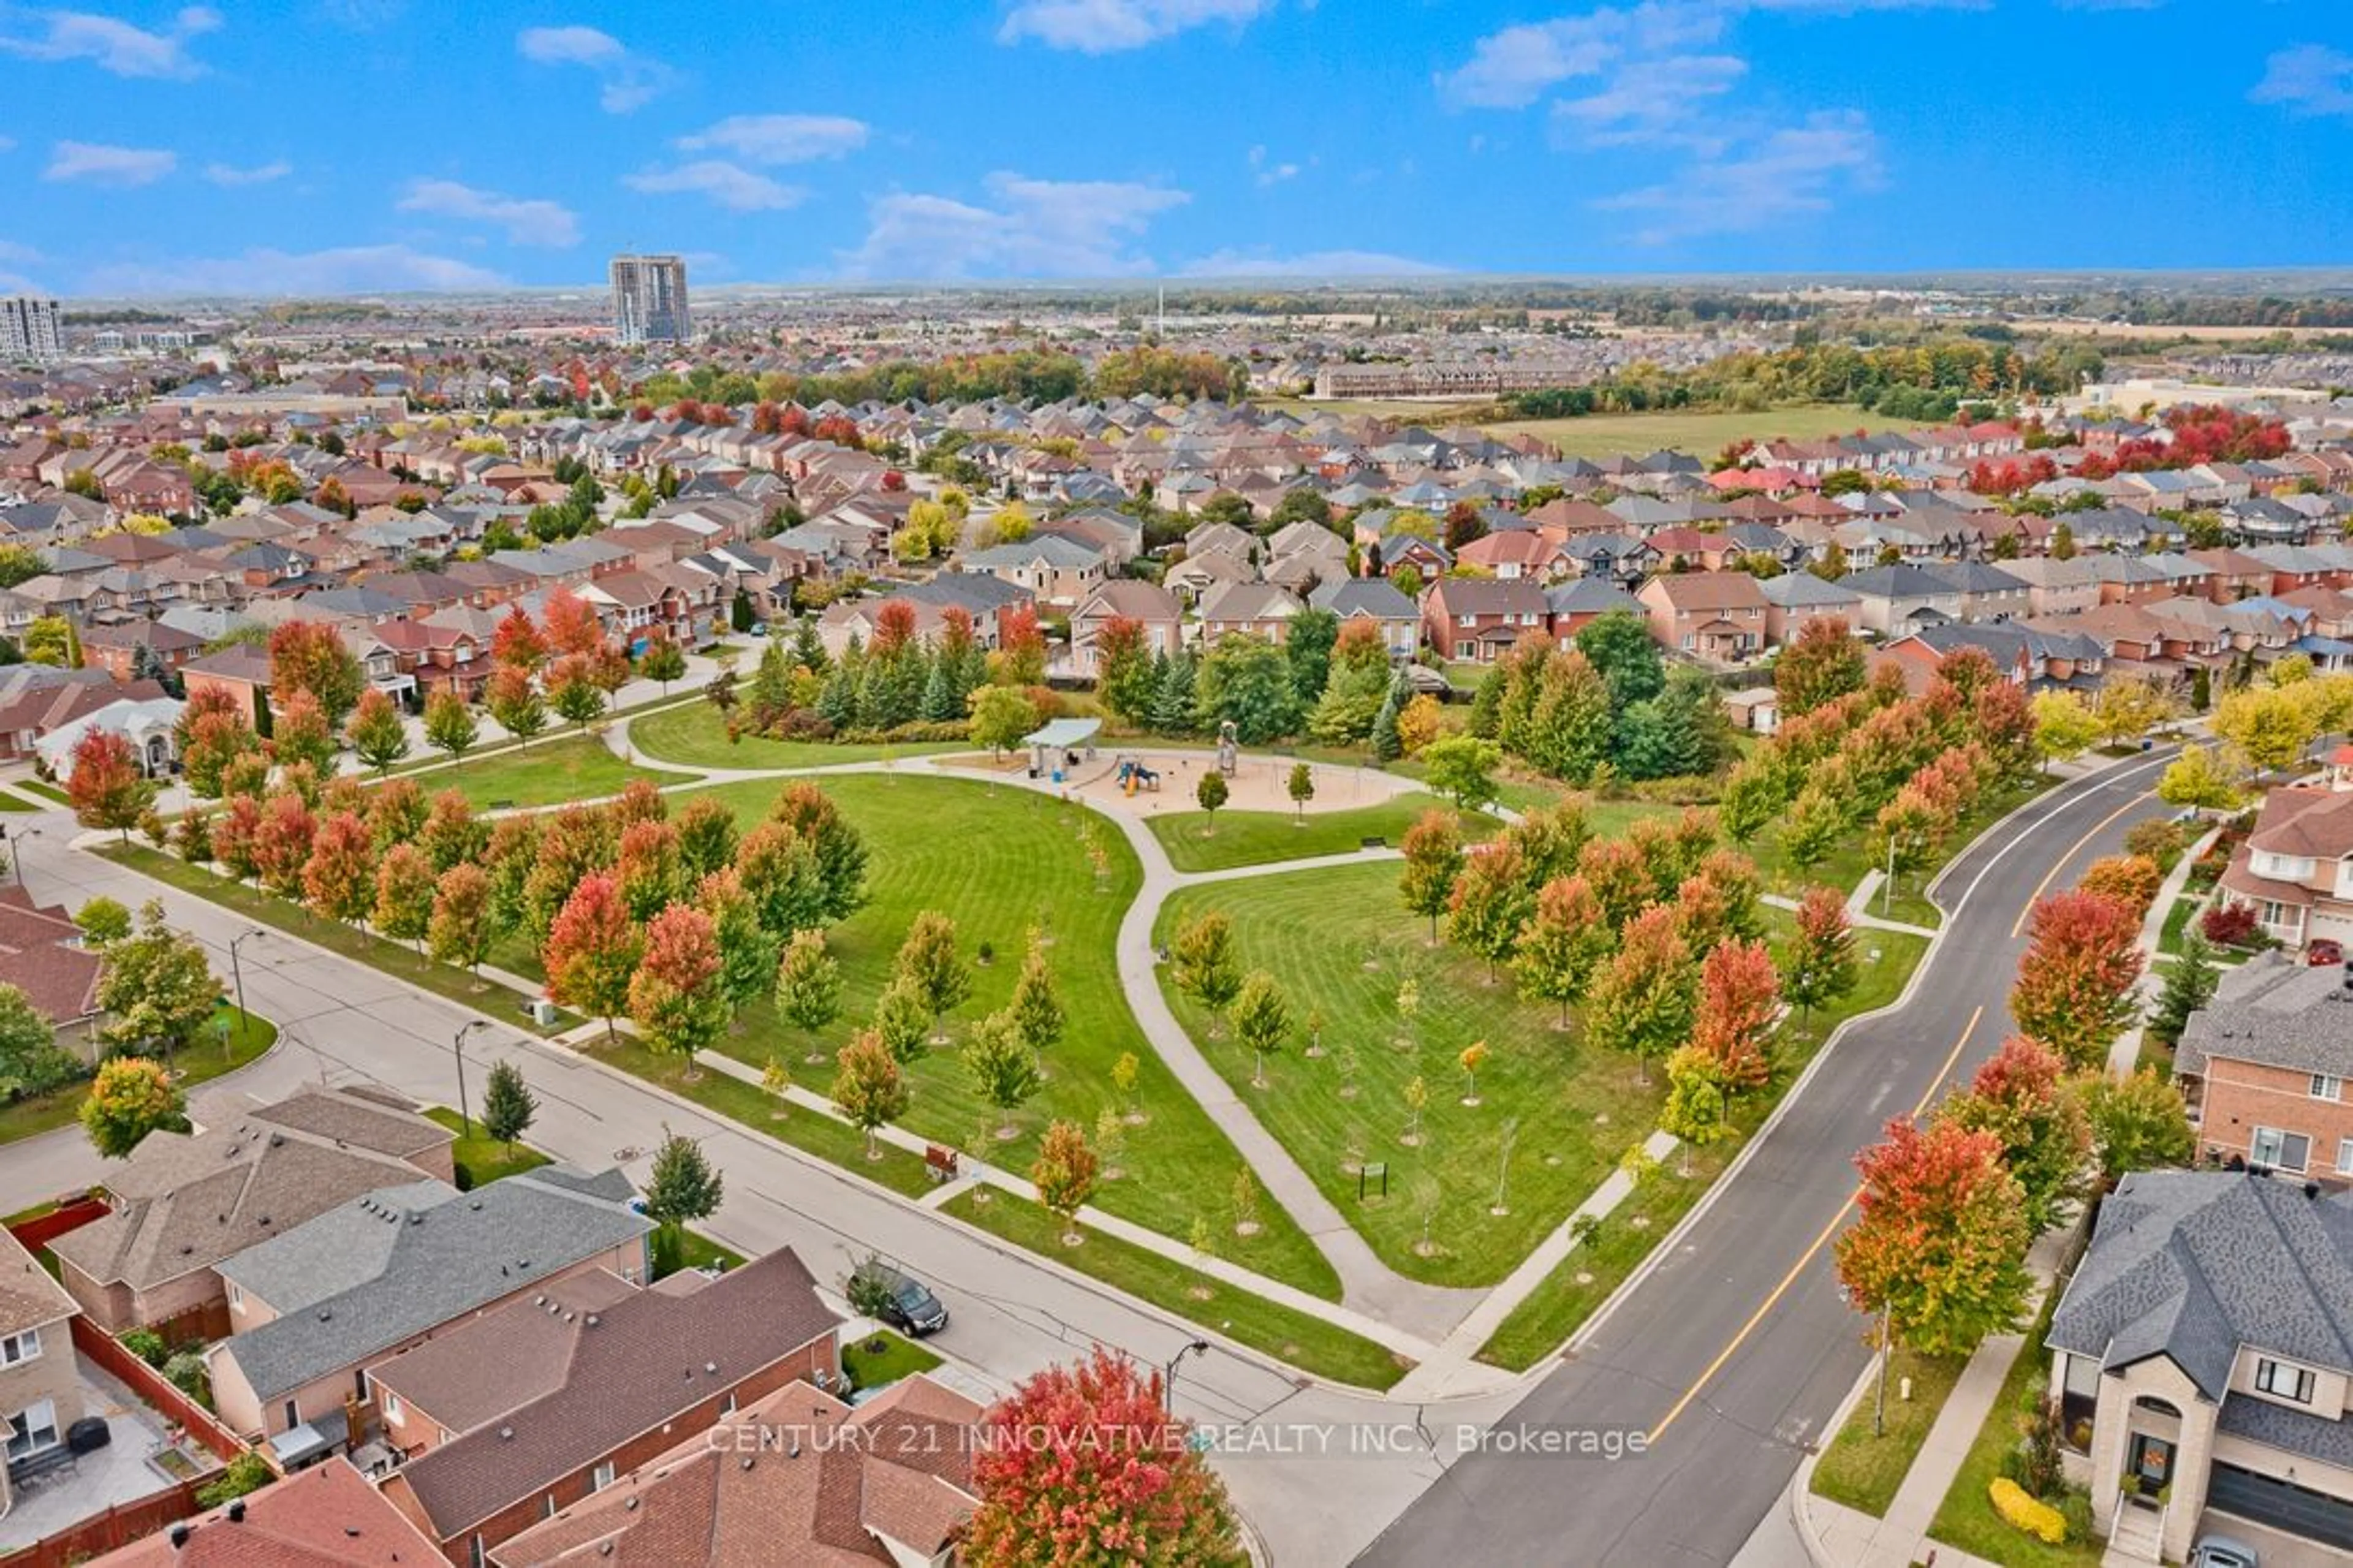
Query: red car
[[2322, 953]]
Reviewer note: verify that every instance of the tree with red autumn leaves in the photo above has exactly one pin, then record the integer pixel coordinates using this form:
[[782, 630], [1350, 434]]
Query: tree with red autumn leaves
[[674, 997], [1020, 657], [339, 878], [310, 655], [1738, 995], [1817, 966], [2074, 989], [2021, 1096], [282, 844], [1821, 666], [1642, 1000], [1937, 1251], [108, 788], [592, 949], [1083, 1465], [516, 643], [570, 625]]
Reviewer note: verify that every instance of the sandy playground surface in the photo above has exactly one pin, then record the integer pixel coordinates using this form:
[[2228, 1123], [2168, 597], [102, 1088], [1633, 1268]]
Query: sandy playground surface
[[1260, 783]]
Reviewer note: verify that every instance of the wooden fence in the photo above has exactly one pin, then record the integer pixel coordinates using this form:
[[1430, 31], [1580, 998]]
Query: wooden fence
[[154, 1388], [102, 1533]]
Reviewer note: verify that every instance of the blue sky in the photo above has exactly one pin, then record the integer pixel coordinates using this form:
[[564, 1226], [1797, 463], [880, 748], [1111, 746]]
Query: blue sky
[[349, 145]]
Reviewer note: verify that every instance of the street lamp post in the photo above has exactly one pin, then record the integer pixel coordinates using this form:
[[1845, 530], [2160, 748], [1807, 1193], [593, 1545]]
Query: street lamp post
[[1169, 1373], [457, 1050], [237, 976]]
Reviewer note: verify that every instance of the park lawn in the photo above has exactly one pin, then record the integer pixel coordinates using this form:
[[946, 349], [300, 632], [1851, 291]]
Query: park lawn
[[11, 801], [1852, 860], [1966, 1518], [1292, 1337], [547, 773], [834, 1141], [1865, 1472], [997, 861], [1586, 1278], [1702, 434], [211, 1054], [874, 1358], [480, 1158], [1194, 841], [1338, 941], [396, 959], [44, 791], [695, 734]]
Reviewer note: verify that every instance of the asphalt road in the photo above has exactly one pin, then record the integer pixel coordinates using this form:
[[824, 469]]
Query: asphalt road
[[1726, 1361]]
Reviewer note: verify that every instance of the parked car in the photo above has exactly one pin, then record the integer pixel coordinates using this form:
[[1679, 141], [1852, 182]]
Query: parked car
[[899, 1299], [2221, 1551], [2321, 952]]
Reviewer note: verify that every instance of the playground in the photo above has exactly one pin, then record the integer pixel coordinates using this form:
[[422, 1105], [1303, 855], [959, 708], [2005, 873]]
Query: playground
[[1157, 781]]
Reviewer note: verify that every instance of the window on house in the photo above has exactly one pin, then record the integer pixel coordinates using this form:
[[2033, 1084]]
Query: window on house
[[19, 1348], [2284, 1382], [602, 1478], [33, 1429], [2281, 1150], [2345, 1156], [2327, 1085]]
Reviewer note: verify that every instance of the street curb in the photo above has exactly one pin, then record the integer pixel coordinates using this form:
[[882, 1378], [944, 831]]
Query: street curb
[[1801, 1485]]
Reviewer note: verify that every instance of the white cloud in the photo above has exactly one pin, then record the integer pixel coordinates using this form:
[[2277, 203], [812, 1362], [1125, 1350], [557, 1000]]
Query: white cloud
[[109, 43], [1651, 101], [371, 268], [1313, 264], [527, 221], [625, 80], [1035, 228], [780, 138], [260, 174], [1266, 173], [1106, 27], [732, 186], [1791, 173], [103, 166], [2310, 79]]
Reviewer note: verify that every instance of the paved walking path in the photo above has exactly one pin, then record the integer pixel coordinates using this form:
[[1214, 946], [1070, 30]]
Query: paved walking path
[[1860, 918]]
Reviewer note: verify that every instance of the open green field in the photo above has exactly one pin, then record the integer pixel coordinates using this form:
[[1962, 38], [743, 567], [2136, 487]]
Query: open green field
[[1339, 939], [547, 773], [1701, 435], [695, 734], [1305, 1341], [996, 862], [1846, 865], [480, 1158], [209, 1057], [1195, 841], [1865, 1471], [1586, 1277]]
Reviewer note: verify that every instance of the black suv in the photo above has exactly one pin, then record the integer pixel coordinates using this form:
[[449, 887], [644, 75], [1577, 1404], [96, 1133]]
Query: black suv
[[903, 1302]]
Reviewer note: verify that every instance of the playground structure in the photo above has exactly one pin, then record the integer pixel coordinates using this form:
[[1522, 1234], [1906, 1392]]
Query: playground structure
[[1147, 782], [1133, 775]]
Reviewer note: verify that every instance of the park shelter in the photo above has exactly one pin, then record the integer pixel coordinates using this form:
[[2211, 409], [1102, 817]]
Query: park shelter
[[1059, 739]]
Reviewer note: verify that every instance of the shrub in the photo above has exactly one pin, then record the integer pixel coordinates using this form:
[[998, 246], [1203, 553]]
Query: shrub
[[249, 1472], [2155, 840], [2132, 880], [2233, 923], [148, 1346], [917, 733], [185, 1372], [2039, 1520]]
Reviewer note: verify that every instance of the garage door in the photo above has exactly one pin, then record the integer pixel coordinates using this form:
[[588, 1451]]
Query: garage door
[[2283, 1505]]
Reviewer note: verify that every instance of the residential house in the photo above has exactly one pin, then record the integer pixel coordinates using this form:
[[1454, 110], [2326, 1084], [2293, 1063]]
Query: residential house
[[40, 1376], [798, 1477], [1473, 619], [1574, 605], [1713, 615], [42, 954], [2296, 867], [1376, 602], [562, 1401], [1522, 552], [240, 670], [328, 1516], [315, 1306], [1796, 600], [1056, 570], [2203, 1353], [38, 699], [117, 647], [1988, 592], [149, 725], [1900, 599], [1150, 606], [183, 1202], [1253, 609], [2265, 1065], [2055, 587]]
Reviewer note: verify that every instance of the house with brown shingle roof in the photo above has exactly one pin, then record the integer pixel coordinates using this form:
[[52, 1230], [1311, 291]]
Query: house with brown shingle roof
[[600, 1390], [40, 1376], [1717, 615], [41, 954], [2296, 867], [798, 1478], [328, 1516], [186, 1202]]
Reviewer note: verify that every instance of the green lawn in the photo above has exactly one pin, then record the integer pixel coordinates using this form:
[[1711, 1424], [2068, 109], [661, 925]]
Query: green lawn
[[676, 1250], [695, 734], [1556, 1308], [44, 791], [1338, 939], [1847, 864], [207, 1057], [1307, 1342], [1966, 1518], [1195, 841], [394, 958], [9, 801], [1865, 1471], [997, 861], [1703, 435], [547, 773], [479, 1158], [873, 1360]]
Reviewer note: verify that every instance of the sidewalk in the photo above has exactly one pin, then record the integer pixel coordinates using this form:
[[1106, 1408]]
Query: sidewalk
[[1837, 1536]]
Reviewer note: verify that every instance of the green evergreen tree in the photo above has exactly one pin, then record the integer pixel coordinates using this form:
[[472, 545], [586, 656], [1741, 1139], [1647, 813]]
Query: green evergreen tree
[[1172, 706], [808, 651], [1388, 745]]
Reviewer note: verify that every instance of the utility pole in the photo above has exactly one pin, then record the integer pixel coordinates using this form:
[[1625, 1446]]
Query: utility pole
[[236, 973], [457, 1050]]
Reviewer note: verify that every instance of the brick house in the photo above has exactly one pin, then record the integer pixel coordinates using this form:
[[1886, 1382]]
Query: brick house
[[2265, 1065], [605, 1394], [186, 1202], [40, 1376], [1149, 604], [1717, 615], [1796, 600], [239, 670], [42, 954], [2296, 867], [313, 1308], [1474, 619], [115, 649]]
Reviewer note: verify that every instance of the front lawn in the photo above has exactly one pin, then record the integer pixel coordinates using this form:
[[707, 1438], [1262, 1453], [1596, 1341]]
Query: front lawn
[[678, 1248], [1338, 941], [1966, 1518], [547, 773], [695, 734], [12, 802], [207, 1057], [871, 1360], [1865, 1471], [996, 862], [479, 1158], [46, 790], [1307, 1342], [1197, 841]]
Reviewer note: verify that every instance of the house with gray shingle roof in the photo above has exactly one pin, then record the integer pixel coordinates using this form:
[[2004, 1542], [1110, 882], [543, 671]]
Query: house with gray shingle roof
[[2203, 1350]]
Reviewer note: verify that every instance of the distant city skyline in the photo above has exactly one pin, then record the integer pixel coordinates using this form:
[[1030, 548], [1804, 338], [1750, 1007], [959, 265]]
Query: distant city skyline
[[340, 146]]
